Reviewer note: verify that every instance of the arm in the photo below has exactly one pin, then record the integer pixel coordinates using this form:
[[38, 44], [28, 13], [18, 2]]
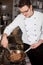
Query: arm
[[41, 38], [35, 45], [11, 26], [4, 41], [7, 31]]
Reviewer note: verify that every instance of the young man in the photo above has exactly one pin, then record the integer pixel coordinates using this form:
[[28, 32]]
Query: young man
[[31, 24]]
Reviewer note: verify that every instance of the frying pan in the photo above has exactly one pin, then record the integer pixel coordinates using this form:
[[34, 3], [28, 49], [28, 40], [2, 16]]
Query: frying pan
[[16, 55]]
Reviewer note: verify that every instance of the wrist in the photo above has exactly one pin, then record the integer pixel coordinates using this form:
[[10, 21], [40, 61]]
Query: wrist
[[4, 35], [40, 41]]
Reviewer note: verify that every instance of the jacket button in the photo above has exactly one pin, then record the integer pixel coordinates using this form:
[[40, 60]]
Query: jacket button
[[34, 29]]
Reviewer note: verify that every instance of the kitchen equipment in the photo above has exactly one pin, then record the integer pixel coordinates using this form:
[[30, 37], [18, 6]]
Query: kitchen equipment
[[9, 50], [27, 50], [16, 55]]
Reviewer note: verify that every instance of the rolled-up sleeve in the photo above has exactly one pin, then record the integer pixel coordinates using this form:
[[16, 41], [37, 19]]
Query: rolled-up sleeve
[[12, 26]]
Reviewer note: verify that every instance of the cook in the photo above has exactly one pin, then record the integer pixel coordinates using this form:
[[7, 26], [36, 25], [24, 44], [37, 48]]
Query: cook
[[31, 24]]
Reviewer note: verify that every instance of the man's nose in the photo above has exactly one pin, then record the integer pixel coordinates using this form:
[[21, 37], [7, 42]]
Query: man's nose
[[25, 14]]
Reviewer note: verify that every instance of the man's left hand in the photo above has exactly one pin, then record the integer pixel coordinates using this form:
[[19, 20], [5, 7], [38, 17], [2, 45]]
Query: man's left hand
[[35, 45]]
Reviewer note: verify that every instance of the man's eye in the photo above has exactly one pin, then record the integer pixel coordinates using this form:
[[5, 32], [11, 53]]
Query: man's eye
[[26, 11]]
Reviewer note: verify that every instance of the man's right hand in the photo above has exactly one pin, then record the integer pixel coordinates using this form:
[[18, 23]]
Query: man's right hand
[[4, 41]]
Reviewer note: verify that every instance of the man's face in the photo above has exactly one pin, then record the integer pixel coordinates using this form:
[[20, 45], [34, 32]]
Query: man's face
[[26, 11]]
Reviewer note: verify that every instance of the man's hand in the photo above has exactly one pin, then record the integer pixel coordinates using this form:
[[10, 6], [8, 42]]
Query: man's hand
[[35, 45], [4, 41]]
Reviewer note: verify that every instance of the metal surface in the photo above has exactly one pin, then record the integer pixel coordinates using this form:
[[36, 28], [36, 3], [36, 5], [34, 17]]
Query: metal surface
[[16, 52], [9, 50], [27, 50]]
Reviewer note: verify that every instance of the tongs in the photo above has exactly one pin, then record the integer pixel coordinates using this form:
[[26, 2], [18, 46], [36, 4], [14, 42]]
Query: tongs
[[9, 50], [24, 51]]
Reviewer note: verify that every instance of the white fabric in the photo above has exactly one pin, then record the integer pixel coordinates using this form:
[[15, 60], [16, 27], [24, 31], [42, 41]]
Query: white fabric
[[32, 27]]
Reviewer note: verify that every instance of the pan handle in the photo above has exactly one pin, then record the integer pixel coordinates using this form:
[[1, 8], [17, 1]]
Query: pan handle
[[27, 50]]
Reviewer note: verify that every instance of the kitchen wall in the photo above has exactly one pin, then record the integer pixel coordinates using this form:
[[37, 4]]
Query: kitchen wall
[[6, 6], [38, 5], [15, 8], [12, 9]]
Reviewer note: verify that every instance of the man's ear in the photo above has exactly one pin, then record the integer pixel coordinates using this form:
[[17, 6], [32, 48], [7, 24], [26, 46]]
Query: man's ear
[[31, 7], [19, 9]]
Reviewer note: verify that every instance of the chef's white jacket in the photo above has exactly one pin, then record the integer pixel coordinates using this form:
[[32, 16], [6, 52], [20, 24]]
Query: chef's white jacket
[[31, 27]]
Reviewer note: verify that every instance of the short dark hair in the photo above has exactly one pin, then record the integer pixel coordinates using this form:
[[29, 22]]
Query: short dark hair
[[24, 2]]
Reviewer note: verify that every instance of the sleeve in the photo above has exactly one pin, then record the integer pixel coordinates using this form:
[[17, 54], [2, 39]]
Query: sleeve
[[12, 26], [42, 29]]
